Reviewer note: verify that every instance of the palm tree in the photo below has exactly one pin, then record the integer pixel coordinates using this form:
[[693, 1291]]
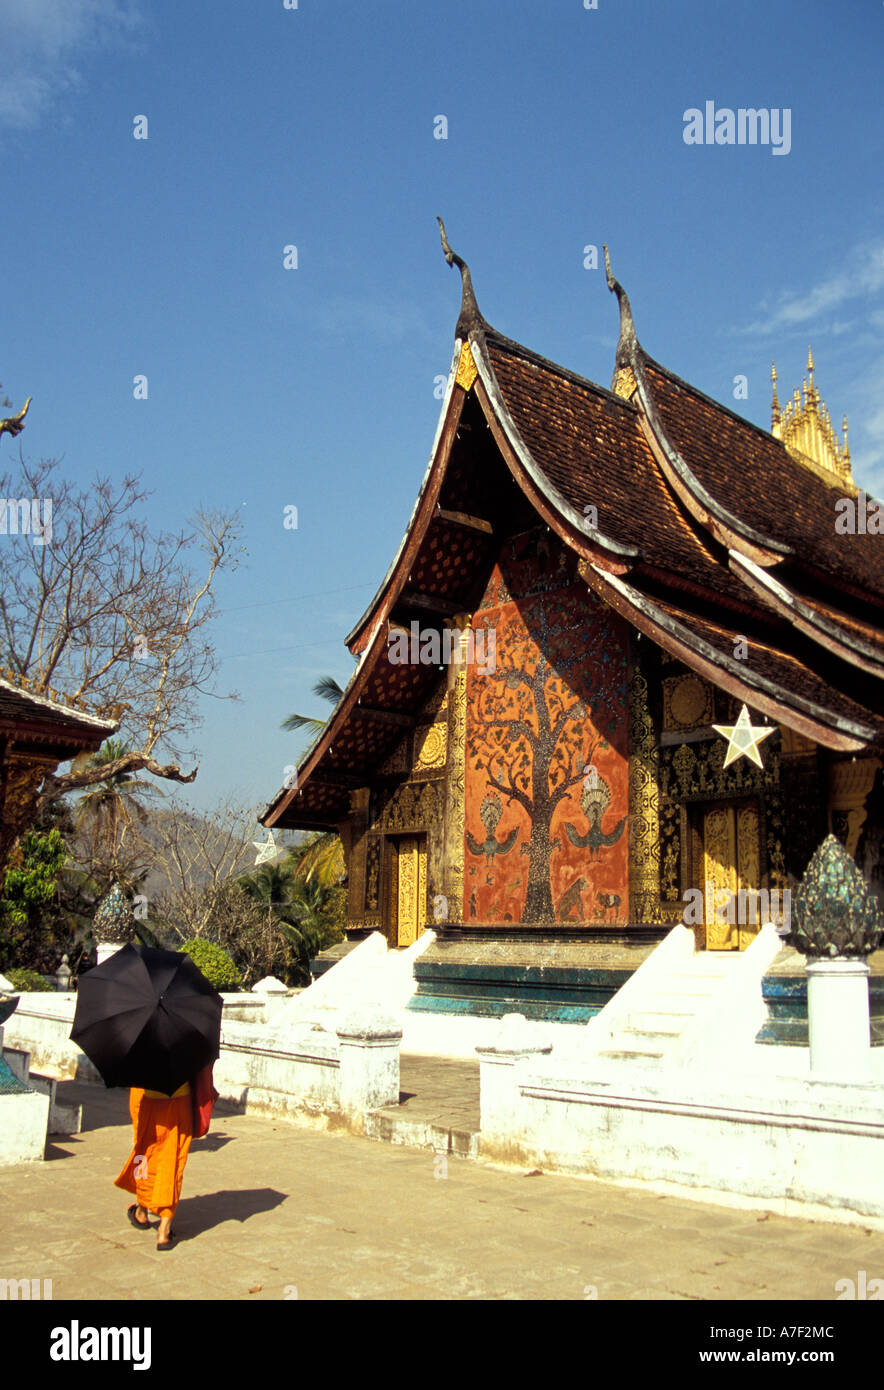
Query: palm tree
[[112, 806], [326, 688], [322, 856], [300, 909]]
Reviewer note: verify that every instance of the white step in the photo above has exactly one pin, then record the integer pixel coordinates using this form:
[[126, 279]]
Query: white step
[[659, 1021], [626, 1053]]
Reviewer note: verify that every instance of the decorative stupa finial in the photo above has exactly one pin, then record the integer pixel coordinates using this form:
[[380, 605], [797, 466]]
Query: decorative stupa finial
[[805, 428], [470, 314]]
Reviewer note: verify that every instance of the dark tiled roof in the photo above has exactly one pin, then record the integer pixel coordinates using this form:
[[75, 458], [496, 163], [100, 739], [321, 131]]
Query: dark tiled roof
[[755, 477], [29, 710], [777, 665], [590, 446]]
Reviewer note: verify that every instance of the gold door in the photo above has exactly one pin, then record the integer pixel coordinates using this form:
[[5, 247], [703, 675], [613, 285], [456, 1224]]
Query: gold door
[[731, 876], [411, 889]]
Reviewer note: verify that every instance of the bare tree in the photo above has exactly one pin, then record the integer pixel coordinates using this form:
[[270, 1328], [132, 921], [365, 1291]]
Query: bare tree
[[192, 853], [101, 608]]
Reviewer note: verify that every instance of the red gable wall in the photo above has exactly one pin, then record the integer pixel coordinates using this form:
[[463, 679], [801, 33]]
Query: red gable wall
[[546, 839]]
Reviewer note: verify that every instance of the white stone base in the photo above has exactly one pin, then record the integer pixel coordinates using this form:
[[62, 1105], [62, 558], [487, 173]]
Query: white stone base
[[23, 1123], [809, 1144]]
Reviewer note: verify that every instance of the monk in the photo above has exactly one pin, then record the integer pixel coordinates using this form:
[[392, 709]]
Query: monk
[[163, 1129]]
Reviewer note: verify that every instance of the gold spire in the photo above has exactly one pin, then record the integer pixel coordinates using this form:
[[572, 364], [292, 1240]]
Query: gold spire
[[805, 427]]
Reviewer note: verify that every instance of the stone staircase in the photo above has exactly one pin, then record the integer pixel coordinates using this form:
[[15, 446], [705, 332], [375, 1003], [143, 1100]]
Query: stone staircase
[[369, 975], [686, 1007], [656, 1028]]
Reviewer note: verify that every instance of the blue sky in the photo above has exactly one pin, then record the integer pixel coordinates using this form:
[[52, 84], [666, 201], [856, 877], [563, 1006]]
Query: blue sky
[[314, 387]]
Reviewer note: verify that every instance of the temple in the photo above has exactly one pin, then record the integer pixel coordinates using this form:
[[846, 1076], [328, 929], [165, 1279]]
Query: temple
[[625, 670], [37, 732]]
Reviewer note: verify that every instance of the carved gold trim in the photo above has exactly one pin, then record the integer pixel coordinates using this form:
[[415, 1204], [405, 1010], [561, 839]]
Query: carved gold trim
[[453, 861], [644, 807], [687, 703], [467, 371], [432, 749], [624, 383]]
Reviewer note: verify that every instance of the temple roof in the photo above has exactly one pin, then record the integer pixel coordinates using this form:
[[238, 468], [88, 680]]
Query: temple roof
[[37, 719], [700, 528]]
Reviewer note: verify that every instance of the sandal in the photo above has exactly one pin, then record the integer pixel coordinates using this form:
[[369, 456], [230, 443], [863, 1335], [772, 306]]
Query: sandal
[[139, 1225], [166, 1244]]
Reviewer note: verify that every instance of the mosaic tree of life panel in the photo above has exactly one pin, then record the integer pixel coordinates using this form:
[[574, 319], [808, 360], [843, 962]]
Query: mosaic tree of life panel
[[546, 752]]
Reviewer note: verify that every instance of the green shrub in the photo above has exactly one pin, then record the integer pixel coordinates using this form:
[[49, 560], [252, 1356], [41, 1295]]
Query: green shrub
[[217, 966], [28, 981]]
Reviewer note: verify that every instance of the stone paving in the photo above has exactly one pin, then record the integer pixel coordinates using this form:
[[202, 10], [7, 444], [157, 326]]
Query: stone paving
[[271, 1210]]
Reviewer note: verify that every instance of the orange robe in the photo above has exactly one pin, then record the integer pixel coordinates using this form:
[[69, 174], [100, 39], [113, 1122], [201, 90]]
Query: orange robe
[[163, 1129]]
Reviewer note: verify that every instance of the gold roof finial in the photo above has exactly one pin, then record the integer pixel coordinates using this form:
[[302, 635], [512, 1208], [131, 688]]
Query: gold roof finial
[[775, 412], [805, 428]]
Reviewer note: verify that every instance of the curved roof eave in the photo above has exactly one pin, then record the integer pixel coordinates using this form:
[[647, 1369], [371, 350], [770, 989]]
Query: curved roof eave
[[815, 625], [822, 725], [726, 528]]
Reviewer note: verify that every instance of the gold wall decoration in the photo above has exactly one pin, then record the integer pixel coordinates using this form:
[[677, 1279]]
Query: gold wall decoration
[[411, 806], [719, 875], [453, 854], [467, 370], [23, 780], [644, 807], [431, 747], [731, 866], [687, 703], [373, 875], [411, 889], [407, 905], [670, 851], [696, 770]]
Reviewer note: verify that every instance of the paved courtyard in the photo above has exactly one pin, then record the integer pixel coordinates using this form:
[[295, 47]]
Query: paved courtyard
[[272, 1210]]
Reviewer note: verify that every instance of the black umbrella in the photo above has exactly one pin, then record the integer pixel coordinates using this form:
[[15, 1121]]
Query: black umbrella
[[147, 1018]]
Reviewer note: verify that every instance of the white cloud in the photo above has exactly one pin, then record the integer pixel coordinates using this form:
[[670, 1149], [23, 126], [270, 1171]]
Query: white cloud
[[43, 42], [860, 276]]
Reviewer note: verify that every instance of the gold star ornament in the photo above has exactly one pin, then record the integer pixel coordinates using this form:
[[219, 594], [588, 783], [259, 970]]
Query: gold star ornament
[[743, 738]]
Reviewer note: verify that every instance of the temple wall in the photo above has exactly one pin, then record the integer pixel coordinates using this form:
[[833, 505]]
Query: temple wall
[[546, 774]]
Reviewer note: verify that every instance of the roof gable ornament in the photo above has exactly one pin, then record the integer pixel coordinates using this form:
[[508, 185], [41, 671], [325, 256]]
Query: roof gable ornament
[[623, 382], [805, 428], [470, 317]]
